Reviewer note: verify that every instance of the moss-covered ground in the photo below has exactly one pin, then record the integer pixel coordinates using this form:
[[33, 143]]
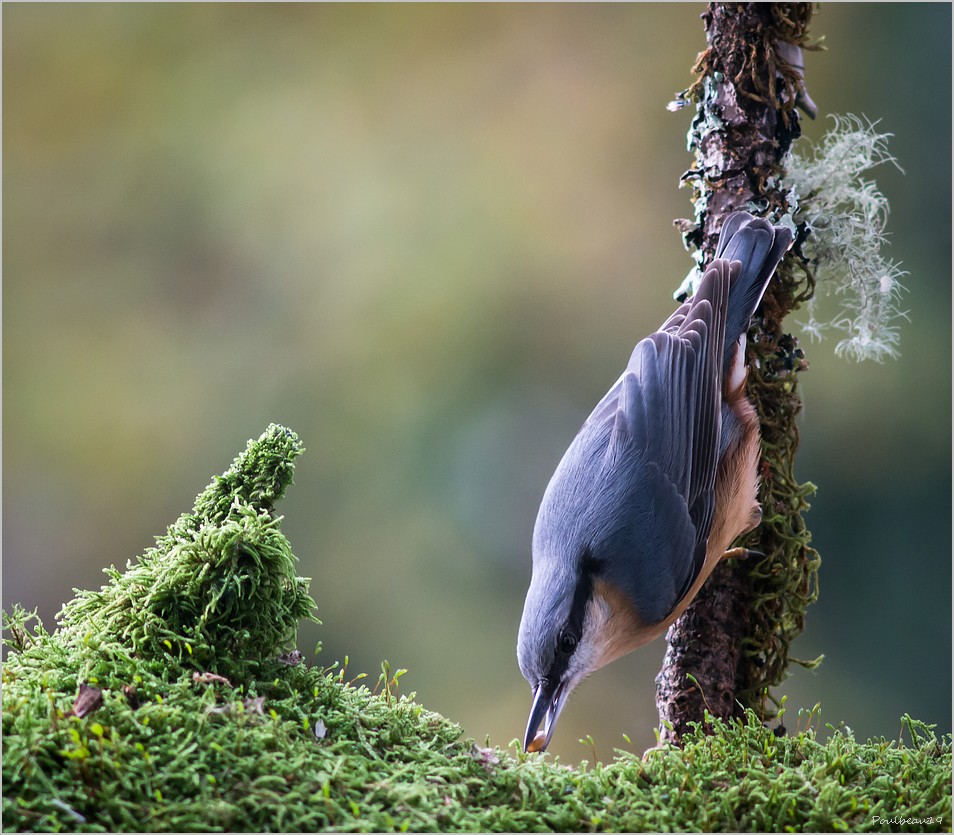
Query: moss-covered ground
[[173, 700]]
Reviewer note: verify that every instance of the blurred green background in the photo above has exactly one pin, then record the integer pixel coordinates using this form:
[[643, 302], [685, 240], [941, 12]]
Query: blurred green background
[[426, 237]]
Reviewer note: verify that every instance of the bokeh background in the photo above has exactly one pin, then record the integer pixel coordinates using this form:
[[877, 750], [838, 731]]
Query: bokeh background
[[426, 237]]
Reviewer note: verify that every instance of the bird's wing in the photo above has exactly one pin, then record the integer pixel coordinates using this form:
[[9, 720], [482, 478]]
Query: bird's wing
[[662, 452], [672, 324], [610, 401]]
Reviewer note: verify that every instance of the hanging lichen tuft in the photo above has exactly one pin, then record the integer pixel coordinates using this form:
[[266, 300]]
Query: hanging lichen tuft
[[733, 642], [846, 214]]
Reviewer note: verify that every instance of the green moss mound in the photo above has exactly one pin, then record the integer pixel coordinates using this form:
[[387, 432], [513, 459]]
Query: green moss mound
[[217, 591], [173, 700]]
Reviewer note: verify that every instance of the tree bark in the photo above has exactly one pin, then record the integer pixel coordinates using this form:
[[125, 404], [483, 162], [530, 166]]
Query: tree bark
[[731, 645]]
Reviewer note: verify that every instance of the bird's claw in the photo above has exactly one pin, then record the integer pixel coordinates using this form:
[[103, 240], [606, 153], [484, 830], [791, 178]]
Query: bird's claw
[[741, 554]]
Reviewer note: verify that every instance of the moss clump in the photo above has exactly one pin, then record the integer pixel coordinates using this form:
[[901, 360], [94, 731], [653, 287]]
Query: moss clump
[[169, 701], [218, 591]]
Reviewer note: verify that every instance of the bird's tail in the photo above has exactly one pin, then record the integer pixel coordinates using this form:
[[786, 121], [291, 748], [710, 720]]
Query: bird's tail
[[759, 246]]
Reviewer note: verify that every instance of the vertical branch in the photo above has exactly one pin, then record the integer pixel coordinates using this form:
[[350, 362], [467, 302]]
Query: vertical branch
[[732, 643]]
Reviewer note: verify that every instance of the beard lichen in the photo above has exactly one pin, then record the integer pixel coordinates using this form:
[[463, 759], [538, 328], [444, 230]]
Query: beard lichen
[[845, 215]]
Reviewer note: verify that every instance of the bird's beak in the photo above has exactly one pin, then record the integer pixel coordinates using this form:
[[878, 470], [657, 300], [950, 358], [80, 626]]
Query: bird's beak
[[548, 701]]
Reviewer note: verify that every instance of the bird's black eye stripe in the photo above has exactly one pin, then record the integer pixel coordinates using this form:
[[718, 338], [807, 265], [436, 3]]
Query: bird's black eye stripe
[[589, 564], [567, 642]]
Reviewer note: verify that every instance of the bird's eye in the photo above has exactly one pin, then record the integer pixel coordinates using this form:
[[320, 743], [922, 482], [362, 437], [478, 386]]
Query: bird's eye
[[567, 642]]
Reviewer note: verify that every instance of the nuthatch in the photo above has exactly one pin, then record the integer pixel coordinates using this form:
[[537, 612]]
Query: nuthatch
[[658, 483]]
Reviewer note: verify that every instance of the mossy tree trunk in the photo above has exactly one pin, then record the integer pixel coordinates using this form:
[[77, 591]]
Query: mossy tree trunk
[[732, 644]]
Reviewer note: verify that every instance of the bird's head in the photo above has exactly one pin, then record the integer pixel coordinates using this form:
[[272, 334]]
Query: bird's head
[[574, 622]]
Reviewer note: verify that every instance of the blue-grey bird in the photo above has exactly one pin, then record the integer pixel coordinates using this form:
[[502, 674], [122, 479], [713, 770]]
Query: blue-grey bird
[[658, 483]]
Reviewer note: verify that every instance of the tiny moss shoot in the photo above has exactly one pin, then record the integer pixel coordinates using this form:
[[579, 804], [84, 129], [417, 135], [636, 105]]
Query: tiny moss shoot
[[173, 700]]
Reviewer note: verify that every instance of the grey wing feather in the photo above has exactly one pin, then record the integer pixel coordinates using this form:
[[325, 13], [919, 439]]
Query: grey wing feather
[[758, 246], [732, 224], [637, 486], [662, 454]]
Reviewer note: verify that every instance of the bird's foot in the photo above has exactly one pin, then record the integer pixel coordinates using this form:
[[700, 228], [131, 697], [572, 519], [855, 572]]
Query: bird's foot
[[741, 554]]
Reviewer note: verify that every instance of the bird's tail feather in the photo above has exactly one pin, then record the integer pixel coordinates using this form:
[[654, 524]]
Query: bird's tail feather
[[759, 246]]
